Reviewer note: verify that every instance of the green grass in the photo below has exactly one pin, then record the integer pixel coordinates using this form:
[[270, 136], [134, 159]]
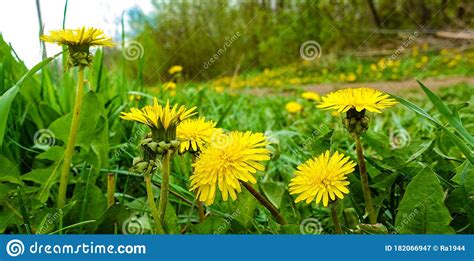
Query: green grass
[[426, 143]]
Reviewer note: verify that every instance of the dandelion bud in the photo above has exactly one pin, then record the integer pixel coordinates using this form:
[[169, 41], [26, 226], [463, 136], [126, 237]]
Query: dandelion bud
[[351, 218], [174, 144], [142, 166], [137, 160], [152, 145], [145, 141]]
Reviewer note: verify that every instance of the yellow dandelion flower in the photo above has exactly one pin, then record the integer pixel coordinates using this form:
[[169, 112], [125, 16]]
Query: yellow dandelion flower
[[78, 41], [219, 89], [358, 98], [157, 116], [194, 134], [351, 77], [134, 97], [228, 160], [322, 178], [293, 107], [373, 67], [169, 86], [175, 69], [342, 77], [425, 46], [415, 51], [424, 59], [312, 96], [78, 38], [452, 63]]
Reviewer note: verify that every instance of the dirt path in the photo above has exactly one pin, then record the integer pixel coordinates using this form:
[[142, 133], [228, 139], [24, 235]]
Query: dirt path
[[390, 86]]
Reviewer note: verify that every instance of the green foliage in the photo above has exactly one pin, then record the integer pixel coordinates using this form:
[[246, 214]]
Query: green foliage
[[422, 209]]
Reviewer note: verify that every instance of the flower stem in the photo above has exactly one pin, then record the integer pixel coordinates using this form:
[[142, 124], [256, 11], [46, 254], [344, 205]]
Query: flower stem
[[201, 211], [281, 220], [152, 205], [200, 205], [165, 187], [71, 142], [369, 206], [335, 219], [110, 190]]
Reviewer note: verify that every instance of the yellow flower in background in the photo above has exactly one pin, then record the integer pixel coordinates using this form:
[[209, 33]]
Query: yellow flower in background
[[293, 107], [452, 63], [219, 89], [373, 67], [351, 77], [312, 96], [175, 69], [322, 178], [81, 38], [157, 116], [169, 86], [194, 134], [228, 160], [342, 77], [425, 46], [134, 97], [358, 98], [415, 51], [424, 59]]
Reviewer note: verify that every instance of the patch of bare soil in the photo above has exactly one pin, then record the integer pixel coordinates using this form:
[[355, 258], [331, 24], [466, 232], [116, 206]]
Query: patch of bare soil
[[387, 86]]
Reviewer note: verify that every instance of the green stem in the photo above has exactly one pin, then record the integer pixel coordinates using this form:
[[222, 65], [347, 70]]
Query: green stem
[[335, 219], [110, 190], [200, 205], [369, 205], [165, 186], [281, 220], [71, 142], [152, 205], [201, 211]]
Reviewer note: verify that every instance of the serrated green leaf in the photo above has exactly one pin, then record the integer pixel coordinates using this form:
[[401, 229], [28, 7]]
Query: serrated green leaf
[[422, 209]]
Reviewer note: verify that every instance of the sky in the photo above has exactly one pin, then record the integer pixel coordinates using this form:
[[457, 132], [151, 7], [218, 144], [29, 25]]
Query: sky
[[19, 21]]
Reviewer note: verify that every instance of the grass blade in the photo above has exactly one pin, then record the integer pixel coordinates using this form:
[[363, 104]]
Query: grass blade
[[466, 150], [444, 110]]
